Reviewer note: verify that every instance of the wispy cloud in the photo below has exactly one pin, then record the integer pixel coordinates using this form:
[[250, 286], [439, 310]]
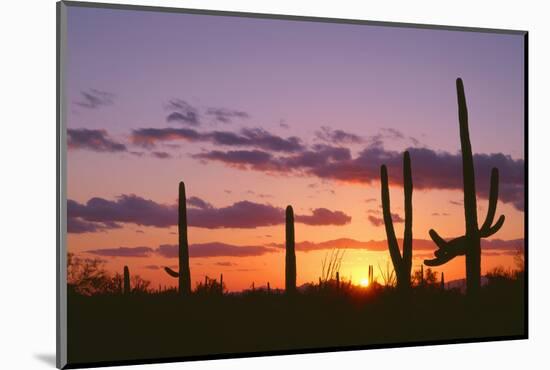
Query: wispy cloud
[[161, 155], [122, 252], [247, 137], [94, 99], [95, 140], [224, 115], [379, 221], [215, 249], [331, 136], [182, 112], [423, 245]]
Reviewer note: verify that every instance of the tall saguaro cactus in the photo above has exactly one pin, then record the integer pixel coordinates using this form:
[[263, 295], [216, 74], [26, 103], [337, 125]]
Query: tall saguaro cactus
[[183, 275], [401, 263], [470, 243], [290, 260], [126, 289]]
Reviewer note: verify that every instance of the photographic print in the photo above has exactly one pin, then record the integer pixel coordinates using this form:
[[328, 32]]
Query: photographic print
[[238, 184]]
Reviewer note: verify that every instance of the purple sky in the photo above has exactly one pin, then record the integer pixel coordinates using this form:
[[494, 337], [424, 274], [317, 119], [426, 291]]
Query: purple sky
[[247, 112], [354, 77]]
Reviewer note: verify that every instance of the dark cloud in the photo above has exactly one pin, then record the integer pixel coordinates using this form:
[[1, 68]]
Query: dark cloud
[[96, 140], [198, 203], [76, 225], [379, 221], [148, 137], [323, 216], [182, 112], [125, 209], [243, 215], [161, 155], [215, 249], [122, 252], [255, 137], [431, 169], [370, 200], [226, 115], [456, 203], [244, 159], [102, 213], [337, 136], [93, 99], [502, 245], [262, 139]]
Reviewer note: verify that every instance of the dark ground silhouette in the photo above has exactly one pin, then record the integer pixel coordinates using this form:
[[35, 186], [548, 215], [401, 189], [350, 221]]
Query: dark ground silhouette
[[161, 325]]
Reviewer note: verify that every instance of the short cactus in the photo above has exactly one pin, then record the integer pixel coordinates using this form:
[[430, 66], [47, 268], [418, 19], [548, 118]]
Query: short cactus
[[290, 260], [126, 289]]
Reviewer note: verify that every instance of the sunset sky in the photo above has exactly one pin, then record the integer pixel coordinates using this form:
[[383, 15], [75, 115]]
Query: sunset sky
[[256, 114]]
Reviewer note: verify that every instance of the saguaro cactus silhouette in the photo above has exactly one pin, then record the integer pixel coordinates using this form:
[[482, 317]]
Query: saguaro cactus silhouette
[[470, 243], [401, 263], [126, 289], [183, 275], [370, 277], [290, 261]]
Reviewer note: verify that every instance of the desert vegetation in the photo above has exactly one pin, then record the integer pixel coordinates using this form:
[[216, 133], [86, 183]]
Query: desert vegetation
[[124, 317]]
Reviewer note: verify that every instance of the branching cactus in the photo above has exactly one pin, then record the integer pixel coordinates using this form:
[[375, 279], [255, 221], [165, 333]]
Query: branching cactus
[[183, 275], [470, 243], [402, 263], [290, 260], [126, 281]]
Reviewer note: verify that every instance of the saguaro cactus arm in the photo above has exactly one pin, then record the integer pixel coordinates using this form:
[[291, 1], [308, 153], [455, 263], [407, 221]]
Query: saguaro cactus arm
[[486, 229], [171, 272], [447, 250]]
